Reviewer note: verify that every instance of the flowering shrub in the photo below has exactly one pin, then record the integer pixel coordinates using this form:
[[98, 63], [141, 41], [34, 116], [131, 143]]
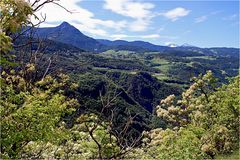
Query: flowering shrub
[[202, 124]]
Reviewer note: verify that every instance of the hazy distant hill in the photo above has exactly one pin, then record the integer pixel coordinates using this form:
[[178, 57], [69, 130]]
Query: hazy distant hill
[[142, 44]]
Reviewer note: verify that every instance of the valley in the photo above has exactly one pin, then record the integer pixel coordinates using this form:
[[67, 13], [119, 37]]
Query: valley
[[145, 73], [66, 95]]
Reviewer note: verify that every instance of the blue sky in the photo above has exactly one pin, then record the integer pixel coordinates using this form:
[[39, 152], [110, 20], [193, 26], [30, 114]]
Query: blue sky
[[199, 23]]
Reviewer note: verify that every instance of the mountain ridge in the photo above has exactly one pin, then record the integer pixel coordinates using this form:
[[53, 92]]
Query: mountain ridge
[[68, 34]]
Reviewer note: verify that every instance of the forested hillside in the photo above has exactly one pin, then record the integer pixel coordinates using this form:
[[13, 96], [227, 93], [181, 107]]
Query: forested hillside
[[97, 99]]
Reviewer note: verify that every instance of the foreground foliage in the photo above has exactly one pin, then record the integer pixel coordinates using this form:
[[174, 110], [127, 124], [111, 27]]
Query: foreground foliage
[[33, 122], [39, 120], [203, 124], [30, 113]]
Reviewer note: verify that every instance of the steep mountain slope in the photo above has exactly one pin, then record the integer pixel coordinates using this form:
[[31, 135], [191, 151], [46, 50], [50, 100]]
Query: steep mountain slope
[[68, 34], [47, 45], [143, 88]]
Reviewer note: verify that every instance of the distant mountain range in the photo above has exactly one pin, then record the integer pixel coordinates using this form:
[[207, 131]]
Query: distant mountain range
[[141, 44], [68, 34]]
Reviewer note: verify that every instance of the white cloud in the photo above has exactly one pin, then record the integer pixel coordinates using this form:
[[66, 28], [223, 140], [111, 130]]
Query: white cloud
[[129, 8], [200, 19], [119, 36], [151, 36], [139, 11], [176, 13], [139, 25], [122, 36], [234, 19], [81, 18], [168, 43], [230, 18], [169, 37]]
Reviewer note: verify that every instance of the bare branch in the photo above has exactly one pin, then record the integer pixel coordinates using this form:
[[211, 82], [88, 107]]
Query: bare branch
[[50, 61]]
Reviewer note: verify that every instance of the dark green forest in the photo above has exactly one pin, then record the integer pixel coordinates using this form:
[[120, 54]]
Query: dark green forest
[[61, 101]]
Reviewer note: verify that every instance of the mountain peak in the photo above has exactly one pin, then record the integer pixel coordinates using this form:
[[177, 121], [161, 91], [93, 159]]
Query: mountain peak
[[65, 24], [66, 27], [68, 34], [172, 45]]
